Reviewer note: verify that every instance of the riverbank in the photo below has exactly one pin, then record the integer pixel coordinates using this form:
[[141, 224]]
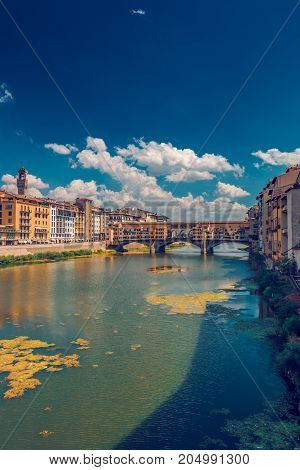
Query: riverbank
[[50, 257], [281, 305], [32, 249]]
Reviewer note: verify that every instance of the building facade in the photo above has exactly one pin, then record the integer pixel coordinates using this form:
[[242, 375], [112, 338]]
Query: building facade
[[279, 217], [28, 217], [63, 222]]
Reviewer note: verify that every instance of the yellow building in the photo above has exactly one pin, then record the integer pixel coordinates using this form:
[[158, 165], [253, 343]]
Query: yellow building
[[79, 225], [28, 216], [8, 235]]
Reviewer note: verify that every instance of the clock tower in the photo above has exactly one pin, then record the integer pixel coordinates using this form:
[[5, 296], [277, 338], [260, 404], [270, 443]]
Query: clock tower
[[22, 181]]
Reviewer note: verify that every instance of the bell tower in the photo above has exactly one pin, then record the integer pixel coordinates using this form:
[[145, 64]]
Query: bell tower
[[22, 181]]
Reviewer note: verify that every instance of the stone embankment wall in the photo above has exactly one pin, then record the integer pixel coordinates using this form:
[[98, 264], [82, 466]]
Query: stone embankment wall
[[16, 250]]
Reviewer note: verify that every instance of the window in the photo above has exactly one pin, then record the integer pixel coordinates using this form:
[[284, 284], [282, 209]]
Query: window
[[8, 206]]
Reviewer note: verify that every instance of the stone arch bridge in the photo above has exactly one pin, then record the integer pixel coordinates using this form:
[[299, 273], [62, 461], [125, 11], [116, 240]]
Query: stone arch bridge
[[158, 235]]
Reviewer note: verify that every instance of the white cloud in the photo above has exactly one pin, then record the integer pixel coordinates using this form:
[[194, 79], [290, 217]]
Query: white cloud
[[61, 149], [76, 188], [276, 157], [189, 176], [6, 95], [35, 184], [187, 207], [138, 188], [230, 190], [137, 185], [139, 11], [141, 185], [161, 159]]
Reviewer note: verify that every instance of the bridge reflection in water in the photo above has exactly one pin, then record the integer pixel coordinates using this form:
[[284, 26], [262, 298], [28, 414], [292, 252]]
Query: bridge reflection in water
[[157, 235]]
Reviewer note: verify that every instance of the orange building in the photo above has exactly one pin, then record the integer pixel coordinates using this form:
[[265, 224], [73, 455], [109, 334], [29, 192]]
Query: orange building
[[29, 217]]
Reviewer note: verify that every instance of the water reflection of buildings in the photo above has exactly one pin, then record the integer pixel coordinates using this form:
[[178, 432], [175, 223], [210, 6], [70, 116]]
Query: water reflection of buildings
[[24, 293]]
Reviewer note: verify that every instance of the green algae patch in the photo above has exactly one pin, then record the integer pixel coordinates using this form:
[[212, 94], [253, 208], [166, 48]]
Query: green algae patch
[[18, 359], [194, 303]]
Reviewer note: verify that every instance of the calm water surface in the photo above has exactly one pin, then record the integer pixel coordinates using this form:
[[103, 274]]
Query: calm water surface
[[169, 394]]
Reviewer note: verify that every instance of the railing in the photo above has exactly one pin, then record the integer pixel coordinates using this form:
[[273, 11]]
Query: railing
[[295, 281]]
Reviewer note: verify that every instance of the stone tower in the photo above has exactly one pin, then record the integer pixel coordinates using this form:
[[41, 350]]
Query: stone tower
[[22, 181]]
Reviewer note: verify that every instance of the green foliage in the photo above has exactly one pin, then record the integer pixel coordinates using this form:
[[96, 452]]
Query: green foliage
[[42, 256], [289, 358], [264, 431], [285, 310], [291, 326], [266, 278], [285, 265]]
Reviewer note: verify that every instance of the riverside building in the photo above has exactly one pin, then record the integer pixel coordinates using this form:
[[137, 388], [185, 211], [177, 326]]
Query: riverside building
[[63, 222], [279, 217]]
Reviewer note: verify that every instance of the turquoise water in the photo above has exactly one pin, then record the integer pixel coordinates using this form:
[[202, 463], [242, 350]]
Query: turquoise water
[[176, 391]]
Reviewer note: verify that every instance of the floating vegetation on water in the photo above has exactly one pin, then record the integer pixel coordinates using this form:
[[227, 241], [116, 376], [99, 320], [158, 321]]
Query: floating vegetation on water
[[17, 357], [166, 269], [81, 343], [135, 347], [232, 287], [248, 284], [221, 310], [265, 431], [194, 303], [258, 328], [46, 433]]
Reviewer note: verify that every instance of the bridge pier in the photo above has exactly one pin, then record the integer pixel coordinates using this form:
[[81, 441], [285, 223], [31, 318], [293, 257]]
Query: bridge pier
[[120, 248], [156, 247], [207, 247]]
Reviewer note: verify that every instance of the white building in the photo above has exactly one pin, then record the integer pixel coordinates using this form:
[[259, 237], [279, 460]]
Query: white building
[[62, 222], [99, 225]]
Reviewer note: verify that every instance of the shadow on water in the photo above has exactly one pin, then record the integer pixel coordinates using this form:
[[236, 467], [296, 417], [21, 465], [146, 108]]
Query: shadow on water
[[216, 388]]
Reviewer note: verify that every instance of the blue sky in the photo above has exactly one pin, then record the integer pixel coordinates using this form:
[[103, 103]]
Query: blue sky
[[147, 73]]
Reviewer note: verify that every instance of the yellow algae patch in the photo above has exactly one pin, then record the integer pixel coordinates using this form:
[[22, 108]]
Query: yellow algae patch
[[194, 303], [81, 343], [135, 347], [46, 433], [166, 269], [18, 360]]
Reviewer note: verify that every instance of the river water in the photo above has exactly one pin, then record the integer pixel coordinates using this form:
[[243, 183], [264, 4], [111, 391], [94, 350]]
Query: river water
[[190, 375]]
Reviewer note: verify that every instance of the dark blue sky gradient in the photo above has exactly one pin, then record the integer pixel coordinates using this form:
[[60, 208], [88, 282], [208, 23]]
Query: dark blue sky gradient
[[167, 76]]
